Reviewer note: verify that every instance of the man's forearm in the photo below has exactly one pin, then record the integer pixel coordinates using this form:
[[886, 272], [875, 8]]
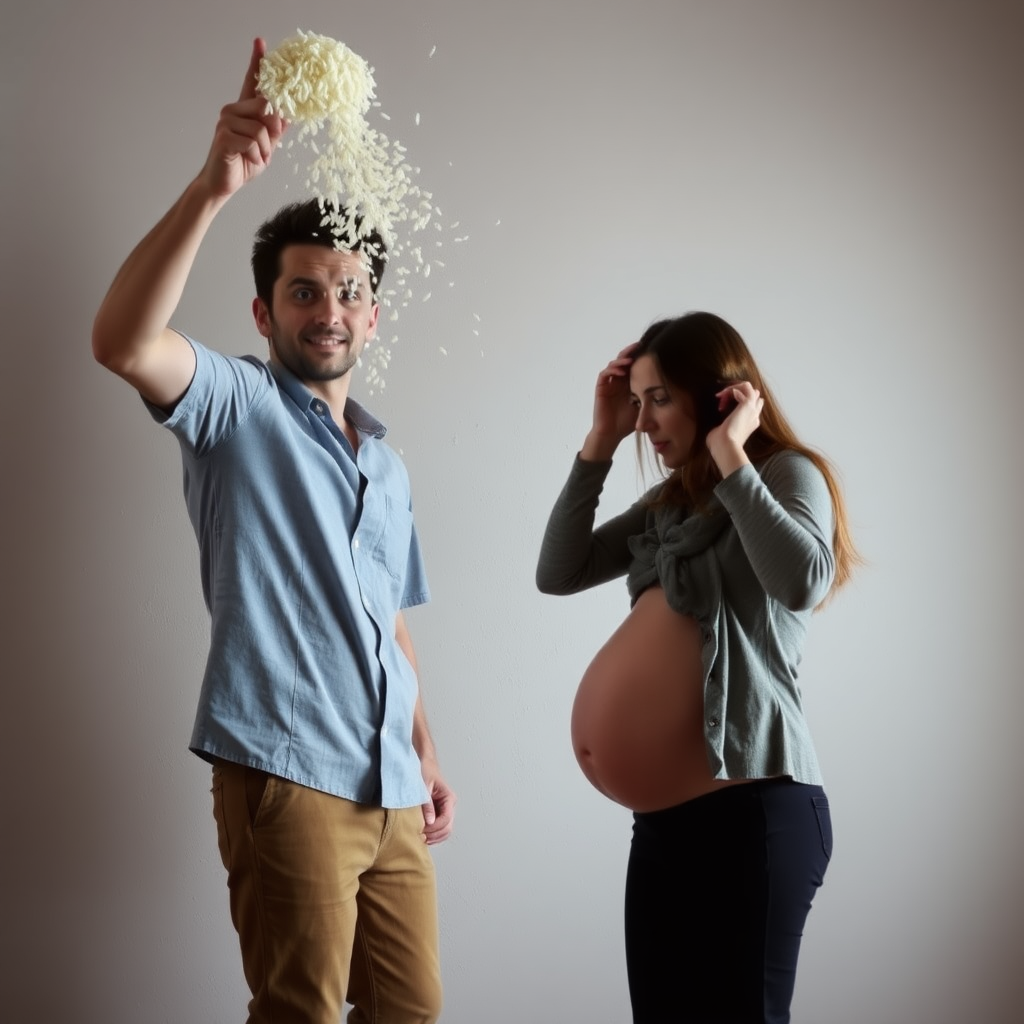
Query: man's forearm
[[422, 741], [148, 287], [131, 334]]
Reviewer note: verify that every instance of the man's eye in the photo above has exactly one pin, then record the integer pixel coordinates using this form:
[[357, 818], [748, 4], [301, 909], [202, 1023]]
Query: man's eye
[[348, 294], [303, 294]]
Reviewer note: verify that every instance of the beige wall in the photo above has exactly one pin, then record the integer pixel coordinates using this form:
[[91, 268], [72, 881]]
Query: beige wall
[[841, 180]]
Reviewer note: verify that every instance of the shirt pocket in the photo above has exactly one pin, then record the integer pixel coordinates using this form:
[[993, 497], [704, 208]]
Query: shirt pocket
[[391, 545]]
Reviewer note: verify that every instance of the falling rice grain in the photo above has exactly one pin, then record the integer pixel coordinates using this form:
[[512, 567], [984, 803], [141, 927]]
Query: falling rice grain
[[360, 176]]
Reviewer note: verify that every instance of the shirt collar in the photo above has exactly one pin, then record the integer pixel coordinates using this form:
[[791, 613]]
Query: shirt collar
[[362, 420]]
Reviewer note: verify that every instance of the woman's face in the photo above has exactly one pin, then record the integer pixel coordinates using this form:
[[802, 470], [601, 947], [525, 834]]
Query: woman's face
[[664, 413]]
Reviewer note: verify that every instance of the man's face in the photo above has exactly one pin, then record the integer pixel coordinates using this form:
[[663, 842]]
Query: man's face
[[323, 312]]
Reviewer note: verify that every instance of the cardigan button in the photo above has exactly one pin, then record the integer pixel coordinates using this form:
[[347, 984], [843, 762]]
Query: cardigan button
[[713, 722]]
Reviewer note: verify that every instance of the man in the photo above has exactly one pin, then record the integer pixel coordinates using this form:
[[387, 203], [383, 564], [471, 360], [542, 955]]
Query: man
[[326, 786]]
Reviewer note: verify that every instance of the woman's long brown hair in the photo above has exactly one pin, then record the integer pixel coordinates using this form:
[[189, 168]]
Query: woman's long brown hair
[[700, 353]]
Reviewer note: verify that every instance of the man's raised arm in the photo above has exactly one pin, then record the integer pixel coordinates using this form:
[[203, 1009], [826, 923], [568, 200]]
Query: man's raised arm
[[130, 335]]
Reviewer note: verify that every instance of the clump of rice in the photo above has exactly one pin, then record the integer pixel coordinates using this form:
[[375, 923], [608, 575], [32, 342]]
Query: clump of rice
[[310, 78], [325, 91]]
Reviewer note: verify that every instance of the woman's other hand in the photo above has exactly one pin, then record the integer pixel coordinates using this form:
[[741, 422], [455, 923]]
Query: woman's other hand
[[725, 442]]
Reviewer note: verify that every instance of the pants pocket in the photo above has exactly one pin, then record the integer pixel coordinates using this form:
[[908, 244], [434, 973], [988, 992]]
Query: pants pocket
[[824, 816], [220, 816], [256, 785]]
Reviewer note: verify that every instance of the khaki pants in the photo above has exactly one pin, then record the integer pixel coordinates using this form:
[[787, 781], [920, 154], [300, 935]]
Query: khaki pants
[[333, 901]]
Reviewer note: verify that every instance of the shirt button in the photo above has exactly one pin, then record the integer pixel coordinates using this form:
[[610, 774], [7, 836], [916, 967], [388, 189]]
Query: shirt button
[[355, 543], [713, 722], [318, 409]]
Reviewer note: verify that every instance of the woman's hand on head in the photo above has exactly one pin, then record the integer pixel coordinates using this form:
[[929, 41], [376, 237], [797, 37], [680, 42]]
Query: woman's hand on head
[[614, 411], [726, 441]]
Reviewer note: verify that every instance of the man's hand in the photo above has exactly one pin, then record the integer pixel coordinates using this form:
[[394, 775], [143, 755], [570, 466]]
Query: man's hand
[[245, 138], [439, 811]]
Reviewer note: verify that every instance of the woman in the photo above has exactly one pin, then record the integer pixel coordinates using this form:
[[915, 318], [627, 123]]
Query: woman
[[690, 715]]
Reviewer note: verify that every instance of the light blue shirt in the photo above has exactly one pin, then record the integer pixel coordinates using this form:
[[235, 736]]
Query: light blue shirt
[[307, 553]]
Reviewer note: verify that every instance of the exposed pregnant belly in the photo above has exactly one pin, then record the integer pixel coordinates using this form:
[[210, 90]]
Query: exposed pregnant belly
[[637, 722]]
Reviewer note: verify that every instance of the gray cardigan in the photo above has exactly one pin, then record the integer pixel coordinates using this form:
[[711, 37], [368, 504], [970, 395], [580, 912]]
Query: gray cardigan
[[750, 571]]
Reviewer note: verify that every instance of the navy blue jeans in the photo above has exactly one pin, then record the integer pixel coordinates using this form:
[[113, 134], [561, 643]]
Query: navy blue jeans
[[717, 893]]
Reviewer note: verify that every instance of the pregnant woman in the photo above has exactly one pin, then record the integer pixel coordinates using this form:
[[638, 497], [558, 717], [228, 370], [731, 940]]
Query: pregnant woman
[[690, 715]]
